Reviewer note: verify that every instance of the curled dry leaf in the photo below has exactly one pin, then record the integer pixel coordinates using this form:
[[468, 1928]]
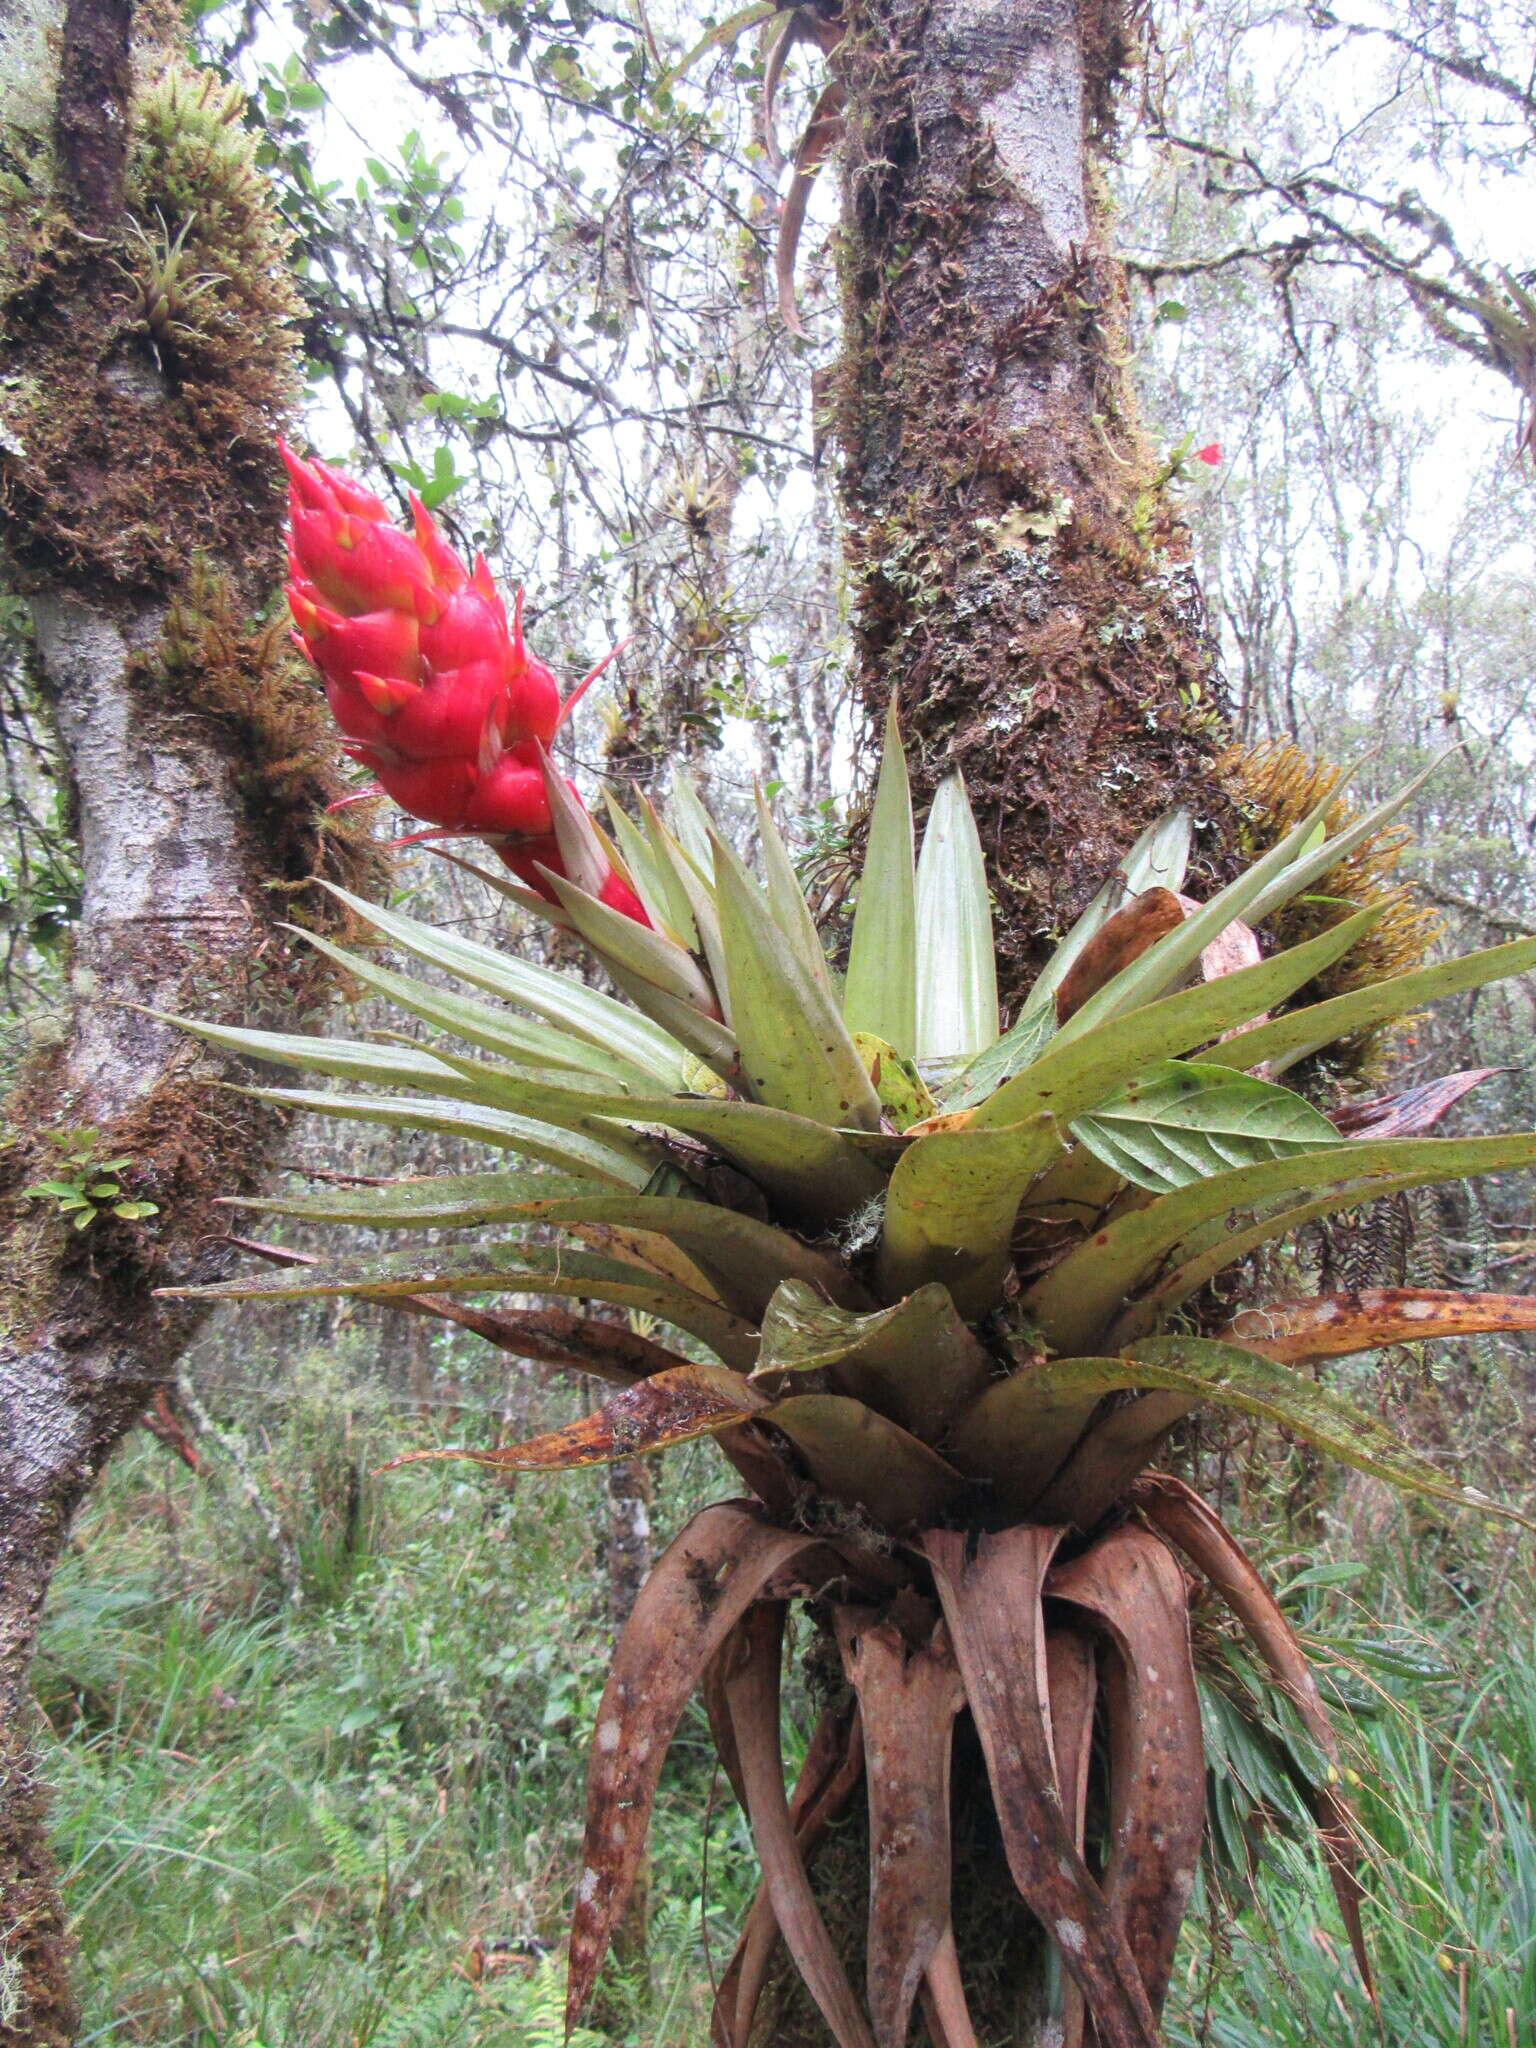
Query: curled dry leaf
[[1178, 1512], [1413, 1110], [1335, 1325]]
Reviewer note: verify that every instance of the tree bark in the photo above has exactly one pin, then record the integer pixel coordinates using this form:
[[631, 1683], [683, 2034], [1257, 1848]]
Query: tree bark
[[142, 514], [1019, 574]]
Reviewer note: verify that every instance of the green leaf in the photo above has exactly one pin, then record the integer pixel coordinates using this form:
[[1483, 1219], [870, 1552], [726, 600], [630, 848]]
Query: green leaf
[[1287, 1039], [504, 1269], [880, 995], [786, 899], [795, 1053], [447, 1201], [867, 1460], [955, 1193], [1080, 1297], [1207, 1370], [571, 1151], [345, 1059], [956, 957], [59, 1189], [916, 1362], [642, 954], [658, 887], [904, 1094], [558, 998], [499, 1031], [1171, 1125]]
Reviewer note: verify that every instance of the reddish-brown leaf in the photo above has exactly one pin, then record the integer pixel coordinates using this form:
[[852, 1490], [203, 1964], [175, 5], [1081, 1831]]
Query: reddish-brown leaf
[[1130, 1585], [1179, 1513], [1333, 1325], [1413, 1111], [944, 2006], [752, 1693], [670, 1408], [991, 1600], [1117, 942], [834, 1763], [908, 1700], [702, 1585], [1072, 1681]]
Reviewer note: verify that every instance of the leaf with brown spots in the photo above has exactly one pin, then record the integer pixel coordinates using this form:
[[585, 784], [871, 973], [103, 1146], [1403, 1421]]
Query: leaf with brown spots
[[702, 1585], [752, 1694], [1072, 1685], [908, 1700], [1178, 1513], [1335, 1325], [669, 1408], [834, 1763], [1130, 1585], [991, 1598]]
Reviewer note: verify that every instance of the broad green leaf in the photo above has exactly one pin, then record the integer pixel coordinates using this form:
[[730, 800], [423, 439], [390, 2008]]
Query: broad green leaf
[[1079, 1299], [344, 1059], [795, 1053], [503, 1269], [786, 899], [916, 1362], [880, 994], [619, 1161], [1287, 1039], [956, 957], [499, 1031], [1020, 1431], [559, 998], [1177, 1123], [866, 1460], [705, 1037], [955, 1193], [1157, 860]]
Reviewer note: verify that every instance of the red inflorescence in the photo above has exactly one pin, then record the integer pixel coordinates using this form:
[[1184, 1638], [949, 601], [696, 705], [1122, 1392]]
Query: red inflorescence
[[435, 691]]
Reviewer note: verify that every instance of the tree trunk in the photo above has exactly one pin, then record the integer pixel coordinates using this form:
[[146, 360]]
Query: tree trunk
[[1020, 578], [141, 514]]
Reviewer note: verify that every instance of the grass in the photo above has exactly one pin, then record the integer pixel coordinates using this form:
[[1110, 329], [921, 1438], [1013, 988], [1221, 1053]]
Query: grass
[[355, 1823]]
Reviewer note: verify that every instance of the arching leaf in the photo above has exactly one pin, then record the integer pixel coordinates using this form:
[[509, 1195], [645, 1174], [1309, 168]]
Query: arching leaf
[[917, 1362]]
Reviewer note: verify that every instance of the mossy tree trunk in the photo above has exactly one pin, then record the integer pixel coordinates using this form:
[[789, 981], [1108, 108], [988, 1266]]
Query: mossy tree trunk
[[142, 520], [1020, 581]]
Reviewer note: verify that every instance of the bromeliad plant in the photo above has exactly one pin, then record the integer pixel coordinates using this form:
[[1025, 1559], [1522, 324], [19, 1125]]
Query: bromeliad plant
[[937, 1293]]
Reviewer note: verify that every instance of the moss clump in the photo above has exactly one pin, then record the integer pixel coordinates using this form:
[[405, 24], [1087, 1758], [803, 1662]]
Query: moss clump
[[200, 202], [1275, 786]]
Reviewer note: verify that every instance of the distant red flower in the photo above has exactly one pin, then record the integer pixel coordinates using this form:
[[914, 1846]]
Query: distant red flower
[[1211, 453]]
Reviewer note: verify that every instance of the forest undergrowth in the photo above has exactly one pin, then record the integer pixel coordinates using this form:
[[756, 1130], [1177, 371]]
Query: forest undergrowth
[[355, 1819]]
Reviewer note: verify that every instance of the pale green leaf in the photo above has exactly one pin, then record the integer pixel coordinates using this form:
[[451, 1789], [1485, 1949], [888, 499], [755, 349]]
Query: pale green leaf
[[504, 1269], [499, 1031], [956, 957], [621, 1162], [1286, 1039], [559, 998], [665, 900], [786, 899], [1178, 1123], [880, 995], [642, 953], [795, 1052]]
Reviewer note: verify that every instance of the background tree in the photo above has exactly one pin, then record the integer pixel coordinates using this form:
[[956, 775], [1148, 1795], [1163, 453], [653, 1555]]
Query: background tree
[[147, 321]]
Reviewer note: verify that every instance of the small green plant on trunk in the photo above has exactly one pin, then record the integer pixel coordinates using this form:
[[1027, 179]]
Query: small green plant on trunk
[[935, 1288]]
